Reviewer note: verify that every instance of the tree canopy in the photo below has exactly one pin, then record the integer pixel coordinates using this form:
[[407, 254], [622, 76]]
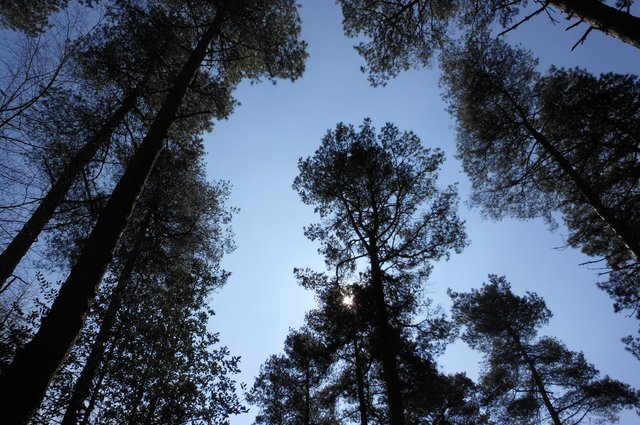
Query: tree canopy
[[530, 379]]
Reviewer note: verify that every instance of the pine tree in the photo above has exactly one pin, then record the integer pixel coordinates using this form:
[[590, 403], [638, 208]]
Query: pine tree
[[264, 47], [530, 379], [377, 197]]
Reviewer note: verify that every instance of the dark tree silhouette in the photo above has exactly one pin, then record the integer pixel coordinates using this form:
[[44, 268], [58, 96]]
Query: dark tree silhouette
[[408, 33], [274, 51], [289, 387], [345, 326], [138, 49], [533, 379], [377, 197], [567, 141], [179, 218]]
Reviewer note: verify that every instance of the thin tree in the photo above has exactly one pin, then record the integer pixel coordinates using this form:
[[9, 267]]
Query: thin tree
[[289, 387]]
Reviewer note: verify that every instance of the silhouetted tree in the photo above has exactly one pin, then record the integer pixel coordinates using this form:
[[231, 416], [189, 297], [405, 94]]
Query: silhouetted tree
[[289, 388], [533, 379], [162, 364], [377, 197], [123, 68], [343, 321], [251, 46], [178, 217], [408, 33], [564, 142]]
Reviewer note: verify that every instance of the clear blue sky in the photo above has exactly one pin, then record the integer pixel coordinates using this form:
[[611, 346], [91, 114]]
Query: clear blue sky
[[257, 150]]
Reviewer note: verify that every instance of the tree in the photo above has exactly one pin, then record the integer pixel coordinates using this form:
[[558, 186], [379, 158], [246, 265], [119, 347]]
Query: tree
[[165, 268], [251, 46], [408, 33], [344, 324], [129, 60], [289, 387], [162, 364], [179, 218], [534, 145], [533, 379], [29, 16], [377, 197]]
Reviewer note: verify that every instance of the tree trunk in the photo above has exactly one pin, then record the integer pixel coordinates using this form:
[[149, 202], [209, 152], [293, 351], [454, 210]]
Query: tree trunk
[[602, 17], [82, 387], [624, 233], [307, 394], [26, 379], [95, 390], [386, 344], [555, 417], [30, 231], [362, 400]]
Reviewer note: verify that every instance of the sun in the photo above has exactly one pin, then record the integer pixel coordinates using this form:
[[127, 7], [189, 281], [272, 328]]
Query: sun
[[347, 298]]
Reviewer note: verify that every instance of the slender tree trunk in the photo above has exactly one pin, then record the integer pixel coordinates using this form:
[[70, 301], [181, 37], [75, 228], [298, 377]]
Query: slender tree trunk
[[95, 389], [362, 399], [82, 387], [386, 344], [619, 227], [602, 17], [537, 379], [27, 378], [30, 231], [307, 394]]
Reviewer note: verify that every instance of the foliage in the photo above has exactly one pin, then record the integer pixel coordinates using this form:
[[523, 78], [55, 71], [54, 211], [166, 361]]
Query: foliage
[[564, 142], [377, 197], [30, 16], [377, 192], [403, 34], [289, 387], [530, 379]]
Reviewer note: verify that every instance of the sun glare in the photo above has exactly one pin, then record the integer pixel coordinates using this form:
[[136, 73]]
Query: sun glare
[[347, 299]]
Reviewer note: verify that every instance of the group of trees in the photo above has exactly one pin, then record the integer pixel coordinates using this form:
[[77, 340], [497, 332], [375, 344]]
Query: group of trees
[[368, 353], [560, 144], [533, 145], [108, 122], [113, 137]]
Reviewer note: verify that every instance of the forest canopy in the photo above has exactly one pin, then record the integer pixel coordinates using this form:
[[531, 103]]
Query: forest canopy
[[117, 252]]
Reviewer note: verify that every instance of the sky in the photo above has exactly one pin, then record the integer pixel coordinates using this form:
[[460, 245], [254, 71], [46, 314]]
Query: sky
[[257, 150]]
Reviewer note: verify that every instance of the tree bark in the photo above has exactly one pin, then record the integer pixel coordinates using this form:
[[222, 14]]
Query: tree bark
[[602, 17], [386, 343], [82, 387], [30, 231], [26, 379]]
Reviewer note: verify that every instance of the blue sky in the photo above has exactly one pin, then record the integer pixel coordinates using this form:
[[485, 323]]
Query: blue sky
[[257, 149]]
